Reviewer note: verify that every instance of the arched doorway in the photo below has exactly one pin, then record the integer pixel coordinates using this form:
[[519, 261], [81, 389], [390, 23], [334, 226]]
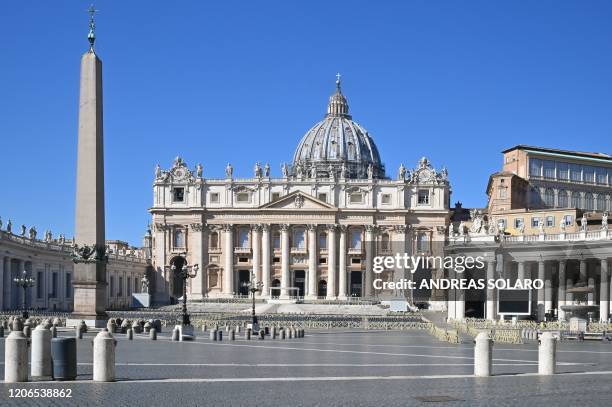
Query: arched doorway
[[355, 284], [299, 282], [176, 287], [275, 289], [322, 288]]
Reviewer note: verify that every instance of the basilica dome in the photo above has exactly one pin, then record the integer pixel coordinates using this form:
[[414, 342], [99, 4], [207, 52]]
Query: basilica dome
[[337, 146]]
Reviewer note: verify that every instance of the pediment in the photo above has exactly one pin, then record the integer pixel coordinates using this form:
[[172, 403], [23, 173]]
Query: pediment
[[298, 201]]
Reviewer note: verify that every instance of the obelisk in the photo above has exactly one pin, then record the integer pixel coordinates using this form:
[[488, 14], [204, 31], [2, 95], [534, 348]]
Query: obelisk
[[89, 251]]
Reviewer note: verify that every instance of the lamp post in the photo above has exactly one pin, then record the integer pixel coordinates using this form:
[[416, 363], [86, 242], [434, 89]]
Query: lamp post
[[253, 287], [185, 273], [24, 282]]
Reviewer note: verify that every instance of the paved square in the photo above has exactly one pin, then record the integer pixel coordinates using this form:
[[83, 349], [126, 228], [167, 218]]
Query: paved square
[[331, 368]]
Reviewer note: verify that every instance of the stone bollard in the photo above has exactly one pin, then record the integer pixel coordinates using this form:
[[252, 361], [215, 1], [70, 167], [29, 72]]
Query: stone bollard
[[153, 334], [110, 326], [27, 331], [232, 335], [290, 333], [41, 351], [175, 334], [220, 336], [125, 325], [262, 334], [147, 327], [247, 334], [16, 356], [483, 355], [283, 334], [53, 331], [130, 334], [273, 332], [267, 330], [238, 329], [227, 328], [56, 322], [547, 354], [204, 328], [136, 327], [79, 332], [104, 357], [213, 335]]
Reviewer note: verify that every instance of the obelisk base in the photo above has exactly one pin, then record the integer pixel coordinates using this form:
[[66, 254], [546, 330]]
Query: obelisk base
[[89, 295]]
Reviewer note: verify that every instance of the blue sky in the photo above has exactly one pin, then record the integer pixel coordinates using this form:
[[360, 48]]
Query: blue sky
[[242, 81]]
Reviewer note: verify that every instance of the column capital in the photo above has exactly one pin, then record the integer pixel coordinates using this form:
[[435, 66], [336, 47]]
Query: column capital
[[370, 228], [284, 227], [265, 227], [197, 227], [256, 228], [400, 228], [227, 227], [332, 227], [342, 228], [311, 227]]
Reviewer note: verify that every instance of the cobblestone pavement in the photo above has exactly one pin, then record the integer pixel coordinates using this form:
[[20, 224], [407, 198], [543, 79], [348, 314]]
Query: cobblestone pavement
[[358, 368]]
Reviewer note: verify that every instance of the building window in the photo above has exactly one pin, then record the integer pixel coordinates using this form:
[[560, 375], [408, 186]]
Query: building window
[[535, 167], [423, 197], [355, 260], [549, 198], [54, 285], [112, 287], [214, 240], [178, 194], [129, 286], [386, 199], [322, 240], [576, 200], [518, 223], [136, 284], [68, 285], [589, 204], [549, 169], [562, 198], [276, 241], [243, 259], [276, 260], [39, 285], [214, 197], [299, 239], [535, 198], [120, 288], [322, 260], [535, 222], [322, 197], [356, 198], [422, 242], [243, 238], [601, 202], [575, 172], [356, 239], [503, 192], [588, 174], [275, 195], [179, 239], [601, 176], [568, 220], [242, 197], [563, 171], [550, 221]]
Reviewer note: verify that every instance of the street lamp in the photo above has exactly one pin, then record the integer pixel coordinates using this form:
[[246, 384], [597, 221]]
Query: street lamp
[[24, 282], [253, 287], [185, 274]]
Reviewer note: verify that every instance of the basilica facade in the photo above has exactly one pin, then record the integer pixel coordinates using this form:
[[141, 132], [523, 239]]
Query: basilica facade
[[311, 233]]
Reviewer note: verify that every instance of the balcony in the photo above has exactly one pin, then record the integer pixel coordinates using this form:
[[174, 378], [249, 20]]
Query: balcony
[[242, 250]]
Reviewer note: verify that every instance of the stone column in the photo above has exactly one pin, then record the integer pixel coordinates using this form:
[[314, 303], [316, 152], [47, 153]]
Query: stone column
[[342, 276], [228, 263], [199, 248], [369, 248], [256, 247], [548, 304], [583, 272], [313, 259], [398, 246], [490, 311], [331, 262], [604, 297], [520, 274], [561, 294], [285, 253], [541, 292], [90, 270], [591, 285], [2, 280], [265, 251], [19, 291]]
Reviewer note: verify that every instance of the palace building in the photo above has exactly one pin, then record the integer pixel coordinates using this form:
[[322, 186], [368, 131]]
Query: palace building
[[310, 233]]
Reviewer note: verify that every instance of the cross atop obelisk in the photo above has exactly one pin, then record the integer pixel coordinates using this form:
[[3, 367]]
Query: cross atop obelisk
[[90, 247], [92, 27]]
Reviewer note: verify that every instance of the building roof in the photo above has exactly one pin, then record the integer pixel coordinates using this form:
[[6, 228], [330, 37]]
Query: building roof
[[568, 153]]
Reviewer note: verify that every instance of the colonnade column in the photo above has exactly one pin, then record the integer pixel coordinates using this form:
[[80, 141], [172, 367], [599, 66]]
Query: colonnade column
[[604, 297], [548, 287], [256, 247], [19, 292], [265, 249], [369, 248], [312, 262], [285, 251], [331, 262], [541, 276], [228, 263], [520, 271], [399, 247], [2, 282], [200, 257], [342, 276], [561, 293], [490, 311]]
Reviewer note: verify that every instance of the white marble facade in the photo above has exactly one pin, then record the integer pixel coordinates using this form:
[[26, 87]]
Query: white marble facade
[[311, 232]]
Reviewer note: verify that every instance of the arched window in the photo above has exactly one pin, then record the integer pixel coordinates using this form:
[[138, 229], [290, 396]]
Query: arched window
[[214, 240], [534, 198], [243, 237], [179, 238], [601, 202], [549, 198], [276, 243], [562, 198], [322, 240], [299, 240], [355, 239], [575, 200], [589, 203]]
